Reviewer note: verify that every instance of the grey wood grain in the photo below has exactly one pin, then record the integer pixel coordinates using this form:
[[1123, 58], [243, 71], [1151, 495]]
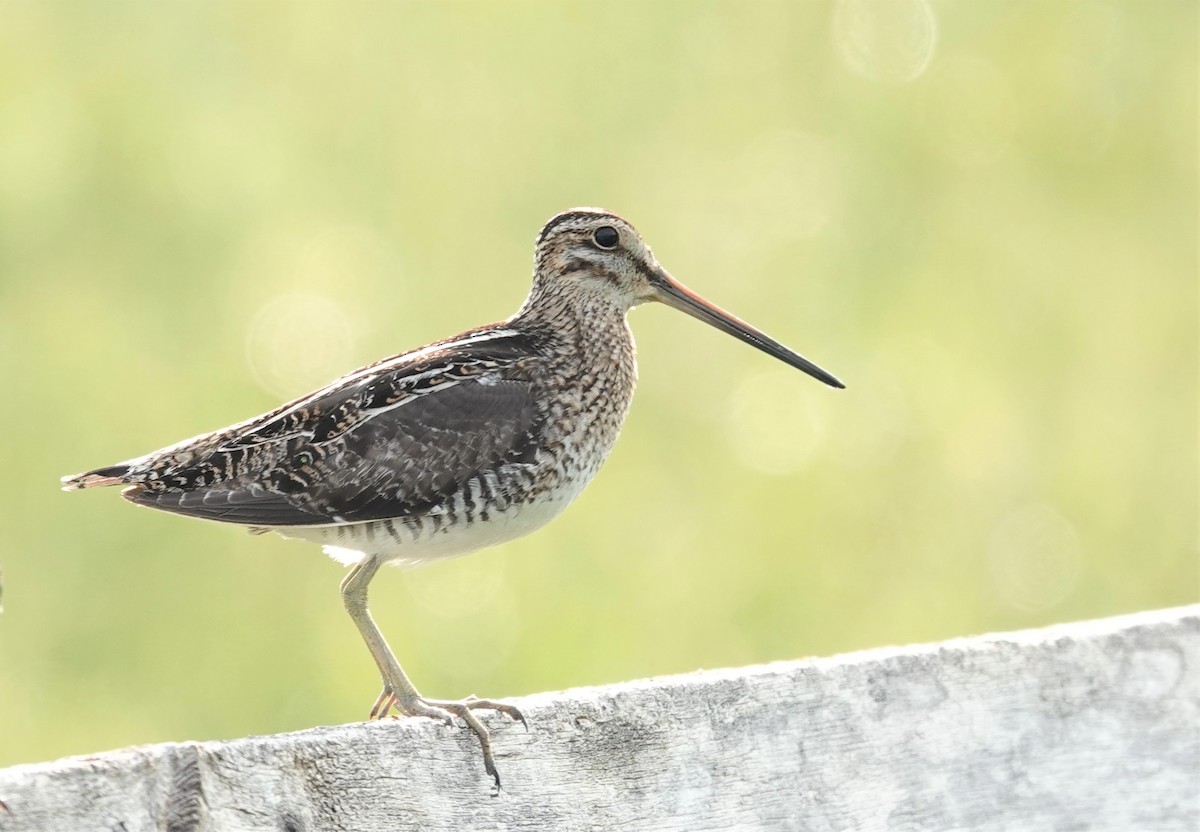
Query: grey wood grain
[[1088, 726]]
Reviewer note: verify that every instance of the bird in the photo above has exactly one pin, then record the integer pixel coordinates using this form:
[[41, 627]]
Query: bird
[[466, 443]]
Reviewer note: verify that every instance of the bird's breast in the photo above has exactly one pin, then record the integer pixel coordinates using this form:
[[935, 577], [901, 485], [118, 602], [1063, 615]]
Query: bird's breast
[[588, 390]]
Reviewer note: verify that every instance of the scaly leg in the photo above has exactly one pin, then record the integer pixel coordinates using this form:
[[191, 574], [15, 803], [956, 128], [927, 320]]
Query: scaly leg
[[398, 691]]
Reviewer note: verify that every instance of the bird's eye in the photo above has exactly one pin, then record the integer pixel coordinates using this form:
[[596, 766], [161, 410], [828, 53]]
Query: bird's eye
[[606, 237]]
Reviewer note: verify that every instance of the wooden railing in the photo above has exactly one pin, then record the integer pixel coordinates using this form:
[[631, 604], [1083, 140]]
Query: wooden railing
[[1087, 726]]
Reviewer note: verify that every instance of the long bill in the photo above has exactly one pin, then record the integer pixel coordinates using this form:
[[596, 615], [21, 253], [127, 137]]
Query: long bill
[[676, 295]]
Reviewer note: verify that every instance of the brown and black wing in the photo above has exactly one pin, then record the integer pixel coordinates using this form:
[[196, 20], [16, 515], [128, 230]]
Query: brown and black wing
[[398, 462], [390, 440]]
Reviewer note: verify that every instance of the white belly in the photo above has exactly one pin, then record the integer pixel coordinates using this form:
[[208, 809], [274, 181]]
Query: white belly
[[427, 540]]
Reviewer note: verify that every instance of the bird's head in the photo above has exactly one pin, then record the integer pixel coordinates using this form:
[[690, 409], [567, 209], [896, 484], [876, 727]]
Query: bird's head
[[588, 251], [599, 257]]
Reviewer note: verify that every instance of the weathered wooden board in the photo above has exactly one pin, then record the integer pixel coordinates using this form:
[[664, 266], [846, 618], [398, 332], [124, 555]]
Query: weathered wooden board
[[1089, 726]]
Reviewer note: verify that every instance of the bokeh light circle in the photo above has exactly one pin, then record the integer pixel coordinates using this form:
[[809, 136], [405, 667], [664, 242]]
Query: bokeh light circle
[[474, 618], [885, 40], [299, 341], [1033, 557]]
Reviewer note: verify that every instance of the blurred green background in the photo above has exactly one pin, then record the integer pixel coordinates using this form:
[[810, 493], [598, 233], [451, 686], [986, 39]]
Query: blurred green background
[[982, 215]]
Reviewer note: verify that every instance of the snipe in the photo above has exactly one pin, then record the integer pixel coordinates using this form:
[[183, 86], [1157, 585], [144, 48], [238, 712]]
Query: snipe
[[462, 444]]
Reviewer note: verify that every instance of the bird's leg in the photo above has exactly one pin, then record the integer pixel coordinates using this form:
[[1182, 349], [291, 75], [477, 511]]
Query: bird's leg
[[398, 691]]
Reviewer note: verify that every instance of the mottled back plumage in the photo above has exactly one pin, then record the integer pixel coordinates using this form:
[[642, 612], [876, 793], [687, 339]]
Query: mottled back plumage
[[391, 440]]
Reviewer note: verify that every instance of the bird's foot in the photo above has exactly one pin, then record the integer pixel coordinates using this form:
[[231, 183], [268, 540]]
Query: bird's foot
[[445, 711]]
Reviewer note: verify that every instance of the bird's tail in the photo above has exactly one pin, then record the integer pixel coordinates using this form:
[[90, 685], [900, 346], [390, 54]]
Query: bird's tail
[[112, 475]]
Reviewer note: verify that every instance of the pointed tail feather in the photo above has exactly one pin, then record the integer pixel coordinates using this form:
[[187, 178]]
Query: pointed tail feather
[[112, 475]]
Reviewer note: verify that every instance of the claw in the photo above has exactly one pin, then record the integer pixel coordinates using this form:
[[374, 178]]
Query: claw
[[383, 704], [464, 710], [445, 712], [510, 711]]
